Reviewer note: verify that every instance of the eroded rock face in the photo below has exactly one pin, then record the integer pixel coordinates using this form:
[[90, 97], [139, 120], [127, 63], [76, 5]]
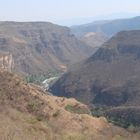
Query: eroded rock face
[[6, 61], [41, 47]]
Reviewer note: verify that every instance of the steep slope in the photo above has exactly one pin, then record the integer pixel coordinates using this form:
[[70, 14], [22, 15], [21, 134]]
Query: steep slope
[[28, 113], [108, 27], [110, 78], [41, 47]]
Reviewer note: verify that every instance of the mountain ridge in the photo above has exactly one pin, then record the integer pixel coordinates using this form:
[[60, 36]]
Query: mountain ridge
[[109, 78], [108, 27], [41, 47]]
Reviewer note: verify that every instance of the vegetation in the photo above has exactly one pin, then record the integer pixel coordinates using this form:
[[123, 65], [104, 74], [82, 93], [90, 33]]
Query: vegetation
[[77, 109], [121, 120], [33, 106], [97, 111], [118, 122], [110, 77], [26, 113], [56, 114], [37, 79]]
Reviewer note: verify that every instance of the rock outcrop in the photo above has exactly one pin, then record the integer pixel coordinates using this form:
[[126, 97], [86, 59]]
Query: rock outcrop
[[6, 61]]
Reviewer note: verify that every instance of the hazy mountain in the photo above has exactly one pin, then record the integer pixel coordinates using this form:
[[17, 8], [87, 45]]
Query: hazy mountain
[[88, 19], [94, 40], [108, 27], [41, 47], [110, 78]]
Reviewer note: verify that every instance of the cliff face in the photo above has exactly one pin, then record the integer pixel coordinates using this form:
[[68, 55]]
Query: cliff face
[[6, 61], [41, 47]]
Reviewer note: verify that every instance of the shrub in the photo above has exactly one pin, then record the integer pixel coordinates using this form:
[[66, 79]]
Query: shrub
[[33, 106], [77, 109], [56, 113]]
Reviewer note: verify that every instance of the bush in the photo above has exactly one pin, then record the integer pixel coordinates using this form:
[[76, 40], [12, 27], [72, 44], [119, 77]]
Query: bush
[[33, 106], [97, 112], [56, 114], [77, 109]]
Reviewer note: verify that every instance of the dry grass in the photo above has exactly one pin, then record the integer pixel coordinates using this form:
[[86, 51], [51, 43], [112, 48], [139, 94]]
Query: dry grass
[[27, 113]]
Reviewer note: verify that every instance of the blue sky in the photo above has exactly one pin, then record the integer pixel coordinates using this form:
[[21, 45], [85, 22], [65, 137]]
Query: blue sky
[[66, 11]]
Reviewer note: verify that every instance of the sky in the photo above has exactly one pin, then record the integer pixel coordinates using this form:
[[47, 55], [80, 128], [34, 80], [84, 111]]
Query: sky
[[67, 12]]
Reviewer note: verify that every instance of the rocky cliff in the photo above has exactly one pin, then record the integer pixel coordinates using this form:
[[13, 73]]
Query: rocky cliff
[[41, 47]]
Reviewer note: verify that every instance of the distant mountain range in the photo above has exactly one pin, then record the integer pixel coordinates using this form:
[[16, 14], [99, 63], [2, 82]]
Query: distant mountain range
[[41, 47], [107, 27], [110, 78]]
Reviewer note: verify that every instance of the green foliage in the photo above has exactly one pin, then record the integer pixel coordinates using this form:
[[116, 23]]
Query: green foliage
[[37, 79], [17, 83], [56, 114], [40, 117], [33, 106], [97, 112], [116, 120], [69, 108], [76, 109]]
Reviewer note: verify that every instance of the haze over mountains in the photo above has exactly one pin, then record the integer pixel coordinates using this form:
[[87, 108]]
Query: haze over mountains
[[89, 19], [95, 40], [98, 32], [102, 73], [107, 27], [41, 47]]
